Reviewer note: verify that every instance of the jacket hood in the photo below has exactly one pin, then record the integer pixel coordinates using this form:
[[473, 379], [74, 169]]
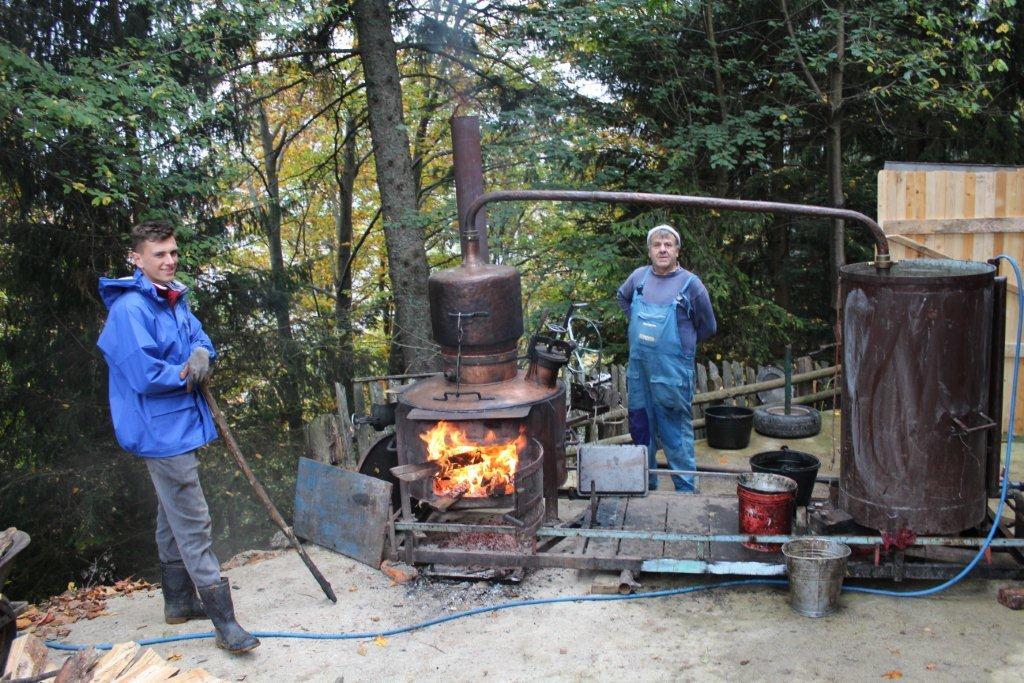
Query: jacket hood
[[111, 289]]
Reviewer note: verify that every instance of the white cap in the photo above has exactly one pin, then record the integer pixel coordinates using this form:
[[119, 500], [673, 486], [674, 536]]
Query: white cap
[[664, 227]]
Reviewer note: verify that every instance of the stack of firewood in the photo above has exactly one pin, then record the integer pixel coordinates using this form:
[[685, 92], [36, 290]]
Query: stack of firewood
[[125, 662]]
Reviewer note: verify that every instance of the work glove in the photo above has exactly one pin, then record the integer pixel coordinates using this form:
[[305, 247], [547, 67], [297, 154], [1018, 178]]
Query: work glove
[[197, 368]]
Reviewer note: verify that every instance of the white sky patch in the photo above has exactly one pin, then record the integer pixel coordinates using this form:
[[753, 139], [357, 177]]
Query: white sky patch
[[587, 87]]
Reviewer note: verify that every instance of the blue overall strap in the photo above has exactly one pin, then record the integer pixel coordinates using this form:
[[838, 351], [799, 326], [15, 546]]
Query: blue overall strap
[[681, 296], [639, 291]]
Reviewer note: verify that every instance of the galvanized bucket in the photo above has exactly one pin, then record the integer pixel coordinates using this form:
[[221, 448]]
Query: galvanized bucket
[[816, 569]]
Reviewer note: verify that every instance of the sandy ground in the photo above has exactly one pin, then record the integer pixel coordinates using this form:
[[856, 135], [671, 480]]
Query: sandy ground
[[749, 632]]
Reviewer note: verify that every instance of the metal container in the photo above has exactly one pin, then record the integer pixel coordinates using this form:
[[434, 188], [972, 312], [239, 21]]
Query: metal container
[[816, 569], [477, 308], [766, 506], [916, 360]]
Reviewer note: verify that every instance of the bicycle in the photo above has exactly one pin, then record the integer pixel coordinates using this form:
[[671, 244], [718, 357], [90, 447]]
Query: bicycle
[[584, 377]]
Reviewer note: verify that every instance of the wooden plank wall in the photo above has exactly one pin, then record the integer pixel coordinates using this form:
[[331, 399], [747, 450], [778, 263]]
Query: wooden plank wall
[[960, 214]]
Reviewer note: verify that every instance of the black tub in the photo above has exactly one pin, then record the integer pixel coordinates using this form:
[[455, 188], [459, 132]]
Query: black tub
[[728, 427], [800, 467]]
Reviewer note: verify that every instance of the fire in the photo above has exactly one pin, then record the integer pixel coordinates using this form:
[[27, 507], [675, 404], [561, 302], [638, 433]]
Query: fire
[[475, 470]]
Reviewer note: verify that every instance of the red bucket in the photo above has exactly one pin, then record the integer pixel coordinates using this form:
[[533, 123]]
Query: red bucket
[[767, 502]]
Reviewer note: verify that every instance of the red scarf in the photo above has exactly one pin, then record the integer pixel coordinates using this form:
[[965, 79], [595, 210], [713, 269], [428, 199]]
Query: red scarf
[[167, 293]]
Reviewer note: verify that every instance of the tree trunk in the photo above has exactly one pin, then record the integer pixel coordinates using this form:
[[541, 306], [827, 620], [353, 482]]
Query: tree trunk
[[403, 234], [834, 151], [721, 173], [280, 296], [345, 177]]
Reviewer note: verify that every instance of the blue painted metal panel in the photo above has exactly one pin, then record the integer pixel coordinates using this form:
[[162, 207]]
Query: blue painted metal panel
[[344, 511]]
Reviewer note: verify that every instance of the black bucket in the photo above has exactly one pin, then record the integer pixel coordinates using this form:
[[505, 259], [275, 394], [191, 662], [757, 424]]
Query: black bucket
[[728, 427], [800, 467]]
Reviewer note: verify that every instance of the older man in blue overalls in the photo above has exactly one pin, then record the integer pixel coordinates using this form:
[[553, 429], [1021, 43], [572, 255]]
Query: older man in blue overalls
[[669, 311]]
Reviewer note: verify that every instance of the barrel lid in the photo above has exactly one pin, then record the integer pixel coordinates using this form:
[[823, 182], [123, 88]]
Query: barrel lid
[[921, 271]]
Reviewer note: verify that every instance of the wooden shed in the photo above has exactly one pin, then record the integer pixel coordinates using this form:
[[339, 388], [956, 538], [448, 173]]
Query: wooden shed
[[958, 211]]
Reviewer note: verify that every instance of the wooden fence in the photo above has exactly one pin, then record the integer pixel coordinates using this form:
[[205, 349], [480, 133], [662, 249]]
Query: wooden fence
[[955, 211], [727, 382]]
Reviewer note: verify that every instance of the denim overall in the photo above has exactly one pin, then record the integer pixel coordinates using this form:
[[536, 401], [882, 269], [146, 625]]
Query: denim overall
[[660, 384]]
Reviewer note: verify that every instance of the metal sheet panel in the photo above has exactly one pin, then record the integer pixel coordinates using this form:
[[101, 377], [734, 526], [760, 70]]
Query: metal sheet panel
[[612, 469], [341, 510]]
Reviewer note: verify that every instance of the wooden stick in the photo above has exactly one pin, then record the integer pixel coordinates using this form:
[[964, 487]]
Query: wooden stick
[[261, 494]]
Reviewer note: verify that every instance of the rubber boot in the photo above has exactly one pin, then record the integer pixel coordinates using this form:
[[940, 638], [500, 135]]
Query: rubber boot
[[230, 636], [180, 600]]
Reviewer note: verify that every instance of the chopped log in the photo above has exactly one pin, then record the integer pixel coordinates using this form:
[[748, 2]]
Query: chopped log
[[27, 657], [77, 667], [114, 662], [148, 668], [197, 676]]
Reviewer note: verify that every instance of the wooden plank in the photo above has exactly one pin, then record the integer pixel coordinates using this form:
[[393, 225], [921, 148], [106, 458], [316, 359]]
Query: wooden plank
[[685, 515], [915, 198], [970, 192], [935, 193], [646, 514], [349, 450], [344, 511], [714, 379], [1000, 192], [610, 513], [984, 195], [956, 226]]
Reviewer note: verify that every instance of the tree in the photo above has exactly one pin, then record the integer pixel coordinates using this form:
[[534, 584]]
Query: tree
[[407, 261]]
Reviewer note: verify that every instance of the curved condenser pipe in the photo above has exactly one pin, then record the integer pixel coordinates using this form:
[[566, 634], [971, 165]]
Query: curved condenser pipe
[[468, 227]]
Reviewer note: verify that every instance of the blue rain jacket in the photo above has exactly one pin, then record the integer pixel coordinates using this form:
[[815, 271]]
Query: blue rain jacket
[[146, 343]]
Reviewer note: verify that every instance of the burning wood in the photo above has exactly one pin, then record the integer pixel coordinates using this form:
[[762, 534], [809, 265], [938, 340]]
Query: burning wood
[[481, 470]]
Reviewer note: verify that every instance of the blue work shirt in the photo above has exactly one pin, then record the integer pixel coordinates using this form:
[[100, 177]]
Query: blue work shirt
[[146, 343], [662, 289]]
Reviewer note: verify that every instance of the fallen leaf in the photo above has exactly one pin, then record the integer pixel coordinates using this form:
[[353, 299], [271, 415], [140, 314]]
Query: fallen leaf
[[380, 641], [24, 622], [361, 650], [563, 651], [174, 657], [744, 662], [893, 675], [931, 666], [894, 651], [47, 618], [374, 619], [352, 589]]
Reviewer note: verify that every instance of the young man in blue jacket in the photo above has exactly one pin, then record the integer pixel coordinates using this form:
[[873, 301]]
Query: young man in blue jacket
[[669, 312], [157, 355]]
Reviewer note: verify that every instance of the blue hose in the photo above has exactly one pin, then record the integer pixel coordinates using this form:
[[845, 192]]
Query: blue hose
[[924, 592]]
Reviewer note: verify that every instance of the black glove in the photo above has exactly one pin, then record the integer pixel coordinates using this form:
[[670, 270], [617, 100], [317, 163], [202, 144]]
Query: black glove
[[197, 368]]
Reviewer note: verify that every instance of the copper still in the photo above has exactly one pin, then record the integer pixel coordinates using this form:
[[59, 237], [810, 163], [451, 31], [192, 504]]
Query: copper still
[[483, 397]]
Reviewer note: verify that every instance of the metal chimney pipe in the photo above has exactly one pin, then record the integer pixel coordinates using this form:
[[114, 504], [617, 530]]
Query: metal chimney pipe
[[468, 168]]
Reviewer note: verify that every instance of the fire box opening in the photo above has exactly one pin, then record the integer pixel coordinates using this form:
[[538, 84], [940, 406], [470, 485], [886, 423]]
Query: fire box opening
[[469, 468]]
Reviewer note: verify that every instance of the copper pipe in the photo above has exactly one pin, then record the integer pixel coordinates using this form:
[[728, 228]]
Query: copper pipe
[[675, 200], [467, 167]]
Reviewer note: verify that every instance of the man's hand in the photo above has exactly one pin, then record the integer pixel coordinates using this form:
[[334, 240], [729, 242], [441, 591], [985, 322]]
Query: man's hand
[[197, 369]]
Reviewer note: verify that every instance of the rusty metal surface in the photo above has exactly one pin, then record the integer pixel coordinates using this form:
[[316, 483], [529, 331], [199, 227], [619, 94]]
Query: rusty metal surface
[[916, 356], [467, 168], [995, 403], [674, 200], [492, 396], [477, 307]]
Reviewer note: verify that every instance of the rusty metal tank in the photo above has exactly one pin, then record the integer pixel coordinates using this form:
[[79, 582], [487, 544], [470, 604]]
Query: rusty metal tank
[[917, 354]]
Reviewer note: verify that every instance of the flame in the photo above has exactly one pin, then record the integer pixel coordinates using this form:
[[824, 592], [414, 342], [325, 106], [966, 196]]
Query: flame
[[476, 470]]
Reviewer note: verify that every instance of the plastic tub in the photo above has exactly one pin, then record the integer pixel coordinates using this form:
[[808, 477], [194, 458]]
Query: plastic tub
[[728, 427], [798, 466]]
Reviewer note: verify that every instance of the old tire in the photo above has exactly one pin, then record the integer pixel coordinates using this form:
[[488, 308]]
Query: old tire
[[802, 421]]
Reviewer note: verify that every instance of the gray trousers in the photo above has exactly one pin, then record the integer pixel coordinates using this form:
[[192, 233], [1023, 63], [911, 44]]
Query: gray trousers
[[183, 526]]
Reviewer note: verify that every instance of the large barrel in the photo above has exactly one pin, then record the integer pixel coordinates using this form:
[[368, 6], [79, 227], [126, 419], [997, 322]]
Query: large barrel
[[916, 359]]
